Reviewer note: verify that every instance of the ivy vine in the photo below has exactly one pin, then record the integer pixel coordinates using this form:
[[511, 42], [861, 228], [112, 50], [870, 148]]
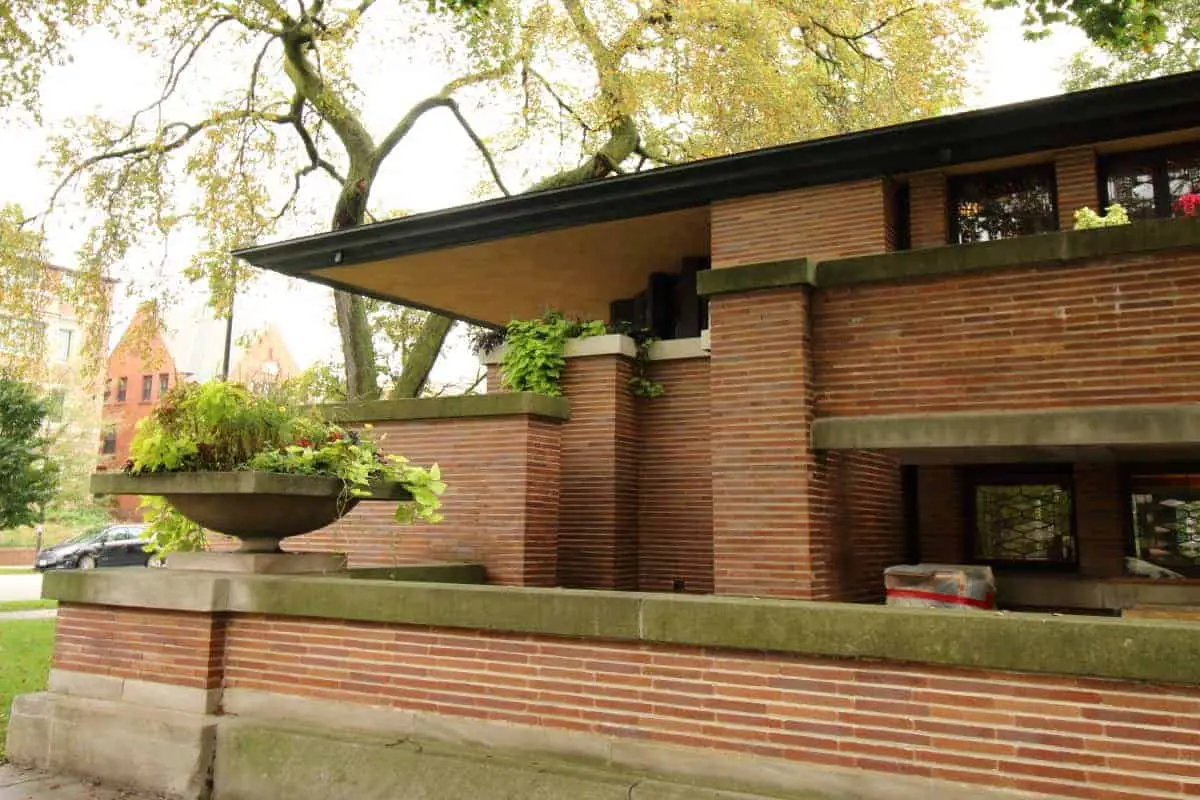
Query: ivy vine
[[534, 353]]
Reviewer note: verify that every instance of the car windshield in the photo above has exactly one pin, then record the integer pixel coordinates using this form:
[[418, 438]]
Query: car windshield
[[87, 536]]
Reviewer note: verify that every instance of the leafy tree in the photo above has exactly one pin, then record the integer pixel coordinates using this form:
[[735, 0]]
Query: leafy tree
[[28, 478], [259, 97], [1178, 51], [1111, 23]]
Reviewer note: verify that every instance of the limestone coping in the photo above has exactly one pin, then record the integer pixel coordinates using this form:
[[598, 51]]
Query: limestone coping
[[617, 344], [1127, 649], [484, 405], [1059, 248], [1102, 425]]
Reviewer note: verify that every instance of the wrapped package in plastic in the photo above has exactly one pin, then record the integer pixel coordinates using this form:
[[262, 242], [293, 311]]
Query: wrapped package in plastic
[[940, 586]]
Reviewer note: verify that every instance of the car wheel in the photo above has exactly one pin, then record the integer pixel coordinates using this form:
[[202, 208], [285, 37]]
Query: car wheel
[[87, 562]]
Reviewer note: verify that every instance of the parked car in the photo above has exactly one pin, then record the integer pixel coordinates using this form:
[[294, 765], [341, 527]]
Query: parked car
[[110, 546]]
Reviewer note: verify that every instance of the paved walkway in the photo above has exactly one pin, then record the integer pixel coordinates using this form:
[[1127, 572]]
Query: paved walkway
[[20, 586], [19, 784], [33, 613]]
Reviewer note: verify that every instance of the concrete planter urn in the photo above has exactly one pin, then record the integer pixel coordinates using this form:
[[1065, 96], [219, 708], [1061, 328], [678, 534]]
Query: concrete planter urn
[[259, 508]]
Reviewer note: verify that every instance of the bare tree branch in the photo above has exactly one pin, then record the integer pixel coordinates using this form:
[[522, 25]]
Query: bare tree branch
[[558, 99], [479, 145]]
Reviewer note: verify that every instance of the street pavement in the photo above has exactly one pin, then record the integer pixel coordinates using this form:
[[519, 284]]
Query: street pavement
[[20, 586], [20, 784]]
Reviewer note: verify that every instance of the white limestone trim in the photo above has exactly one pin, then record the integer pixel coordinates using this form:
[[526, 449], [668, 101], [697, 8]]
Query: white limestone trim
[[677, 349], [136, 692], [616, 344]]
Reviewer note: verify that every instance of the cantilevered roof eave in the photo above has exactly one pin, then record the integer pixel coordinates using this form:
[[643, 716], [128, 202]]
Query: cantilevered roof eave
[[1070, 120]]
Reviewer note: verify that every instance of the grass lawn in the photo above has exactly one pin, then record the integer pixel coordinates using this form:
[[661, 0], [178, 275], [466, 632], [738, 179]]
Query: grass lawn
[[27, 537], [25, 648], [15, 571], [26, 605]]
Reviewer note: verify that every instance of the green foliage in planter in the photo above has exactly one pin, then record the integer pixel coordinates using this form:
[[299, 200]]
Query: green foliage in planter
[[222, 427], [1086, 219], [534, 360]]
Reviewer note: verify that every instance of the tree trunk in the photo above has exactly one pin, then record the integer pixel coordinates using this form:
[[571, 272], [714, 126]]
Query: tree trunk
[[358, 347], [421, 356]]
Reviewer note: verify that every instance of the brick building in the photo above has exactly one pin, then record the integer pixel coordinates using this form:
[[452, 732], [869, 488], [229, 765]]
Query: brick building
[[876, 348], [150, 359]]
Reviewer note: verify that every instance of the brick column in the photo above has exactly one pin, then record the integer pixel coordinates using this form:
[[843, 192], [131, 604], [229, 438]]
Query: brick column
[[1077, 185], [597, 538], [927, 200], [1100, 510], [767, 535]]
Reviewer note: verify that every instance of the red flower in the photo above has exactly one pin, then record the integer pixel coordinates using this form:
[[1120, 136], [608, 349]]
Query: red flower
[[304, 442], [335, 437], [1187, 206]]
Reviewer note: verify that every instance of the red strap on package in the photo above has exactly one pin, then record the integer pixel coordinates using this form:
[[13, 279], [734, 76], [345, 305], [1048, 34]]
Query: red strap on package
[[952, 599]]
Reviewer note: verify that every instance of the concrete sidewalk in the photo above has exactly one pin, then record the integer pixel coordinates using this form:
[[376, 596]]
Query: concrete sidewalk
[[20, 784]]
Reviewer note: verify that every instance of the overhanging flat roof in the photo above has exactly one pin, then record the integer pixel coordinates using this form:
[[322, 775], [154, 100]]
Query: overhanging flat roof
[[1076, 119]]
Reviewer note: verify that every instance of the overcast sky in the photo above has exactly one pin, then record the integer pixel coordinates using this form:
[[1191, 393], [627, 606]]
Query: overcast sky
[[1008, 70]]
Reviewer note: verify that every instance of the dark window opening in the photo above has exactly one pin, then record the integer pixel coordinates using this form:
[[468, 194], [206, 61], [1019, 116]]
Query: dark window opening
[[147, 388], [109, 442], [122, 389], [1154, 183], [1000, 205], [164, 383], [107, 389], [1165, 508], [902, 218], [668, 308], [1023, 515]]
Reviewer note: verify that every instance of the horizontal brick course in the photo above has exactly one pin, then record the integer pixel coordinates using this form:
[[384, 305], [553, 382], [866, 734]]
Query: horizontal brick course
[[175, 647], [675, 480], [500, 507], [1081, 738], [1101, 334], [846, 219]]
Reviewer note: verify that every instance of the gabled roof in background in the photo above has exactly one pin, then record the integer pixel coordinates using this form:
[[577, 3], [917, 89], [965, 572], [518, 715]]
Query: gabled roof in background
[[1068, 120]]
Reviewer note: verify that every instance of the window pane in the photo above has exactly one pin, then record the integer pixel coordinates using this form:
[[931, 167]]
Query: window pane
[[109, 445], [1166, 524], [1131, 184], [147, 388], [164, 383], [122, 389], [1000, 205], [1023, 522], [1183, 178]]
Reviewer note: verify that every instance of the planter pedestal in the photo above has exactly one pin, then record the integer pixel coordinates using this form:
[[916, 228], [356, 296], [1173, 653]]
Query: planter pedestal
[[260, 563]]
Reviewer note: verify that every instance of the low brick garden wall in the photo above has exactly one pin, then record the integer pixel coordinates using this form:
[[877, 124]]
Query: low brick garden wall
[[17, 556], [1059, 706]]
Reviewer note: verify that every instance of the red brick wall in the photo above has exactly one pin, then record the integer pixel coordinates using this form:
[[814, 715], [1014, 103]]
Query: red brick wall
[[16, 557], [675, 522], [1075, 174], [846, 219], [764, 509], [860, 508], [176, 647], [598, 513], [500, 507], [928, 203], [1101, 334], [1084, 738]]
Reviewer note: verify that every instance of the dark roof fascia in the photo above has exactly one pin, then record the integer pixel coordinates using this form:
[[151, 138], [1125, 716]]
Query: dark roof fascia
[[1075, 119]]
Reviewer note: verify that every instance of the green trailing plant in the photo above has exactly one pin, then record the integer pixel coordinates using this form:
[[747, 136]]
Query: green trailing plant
[[221, 427], [534, 353], [534, 349], [1086, 219]]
